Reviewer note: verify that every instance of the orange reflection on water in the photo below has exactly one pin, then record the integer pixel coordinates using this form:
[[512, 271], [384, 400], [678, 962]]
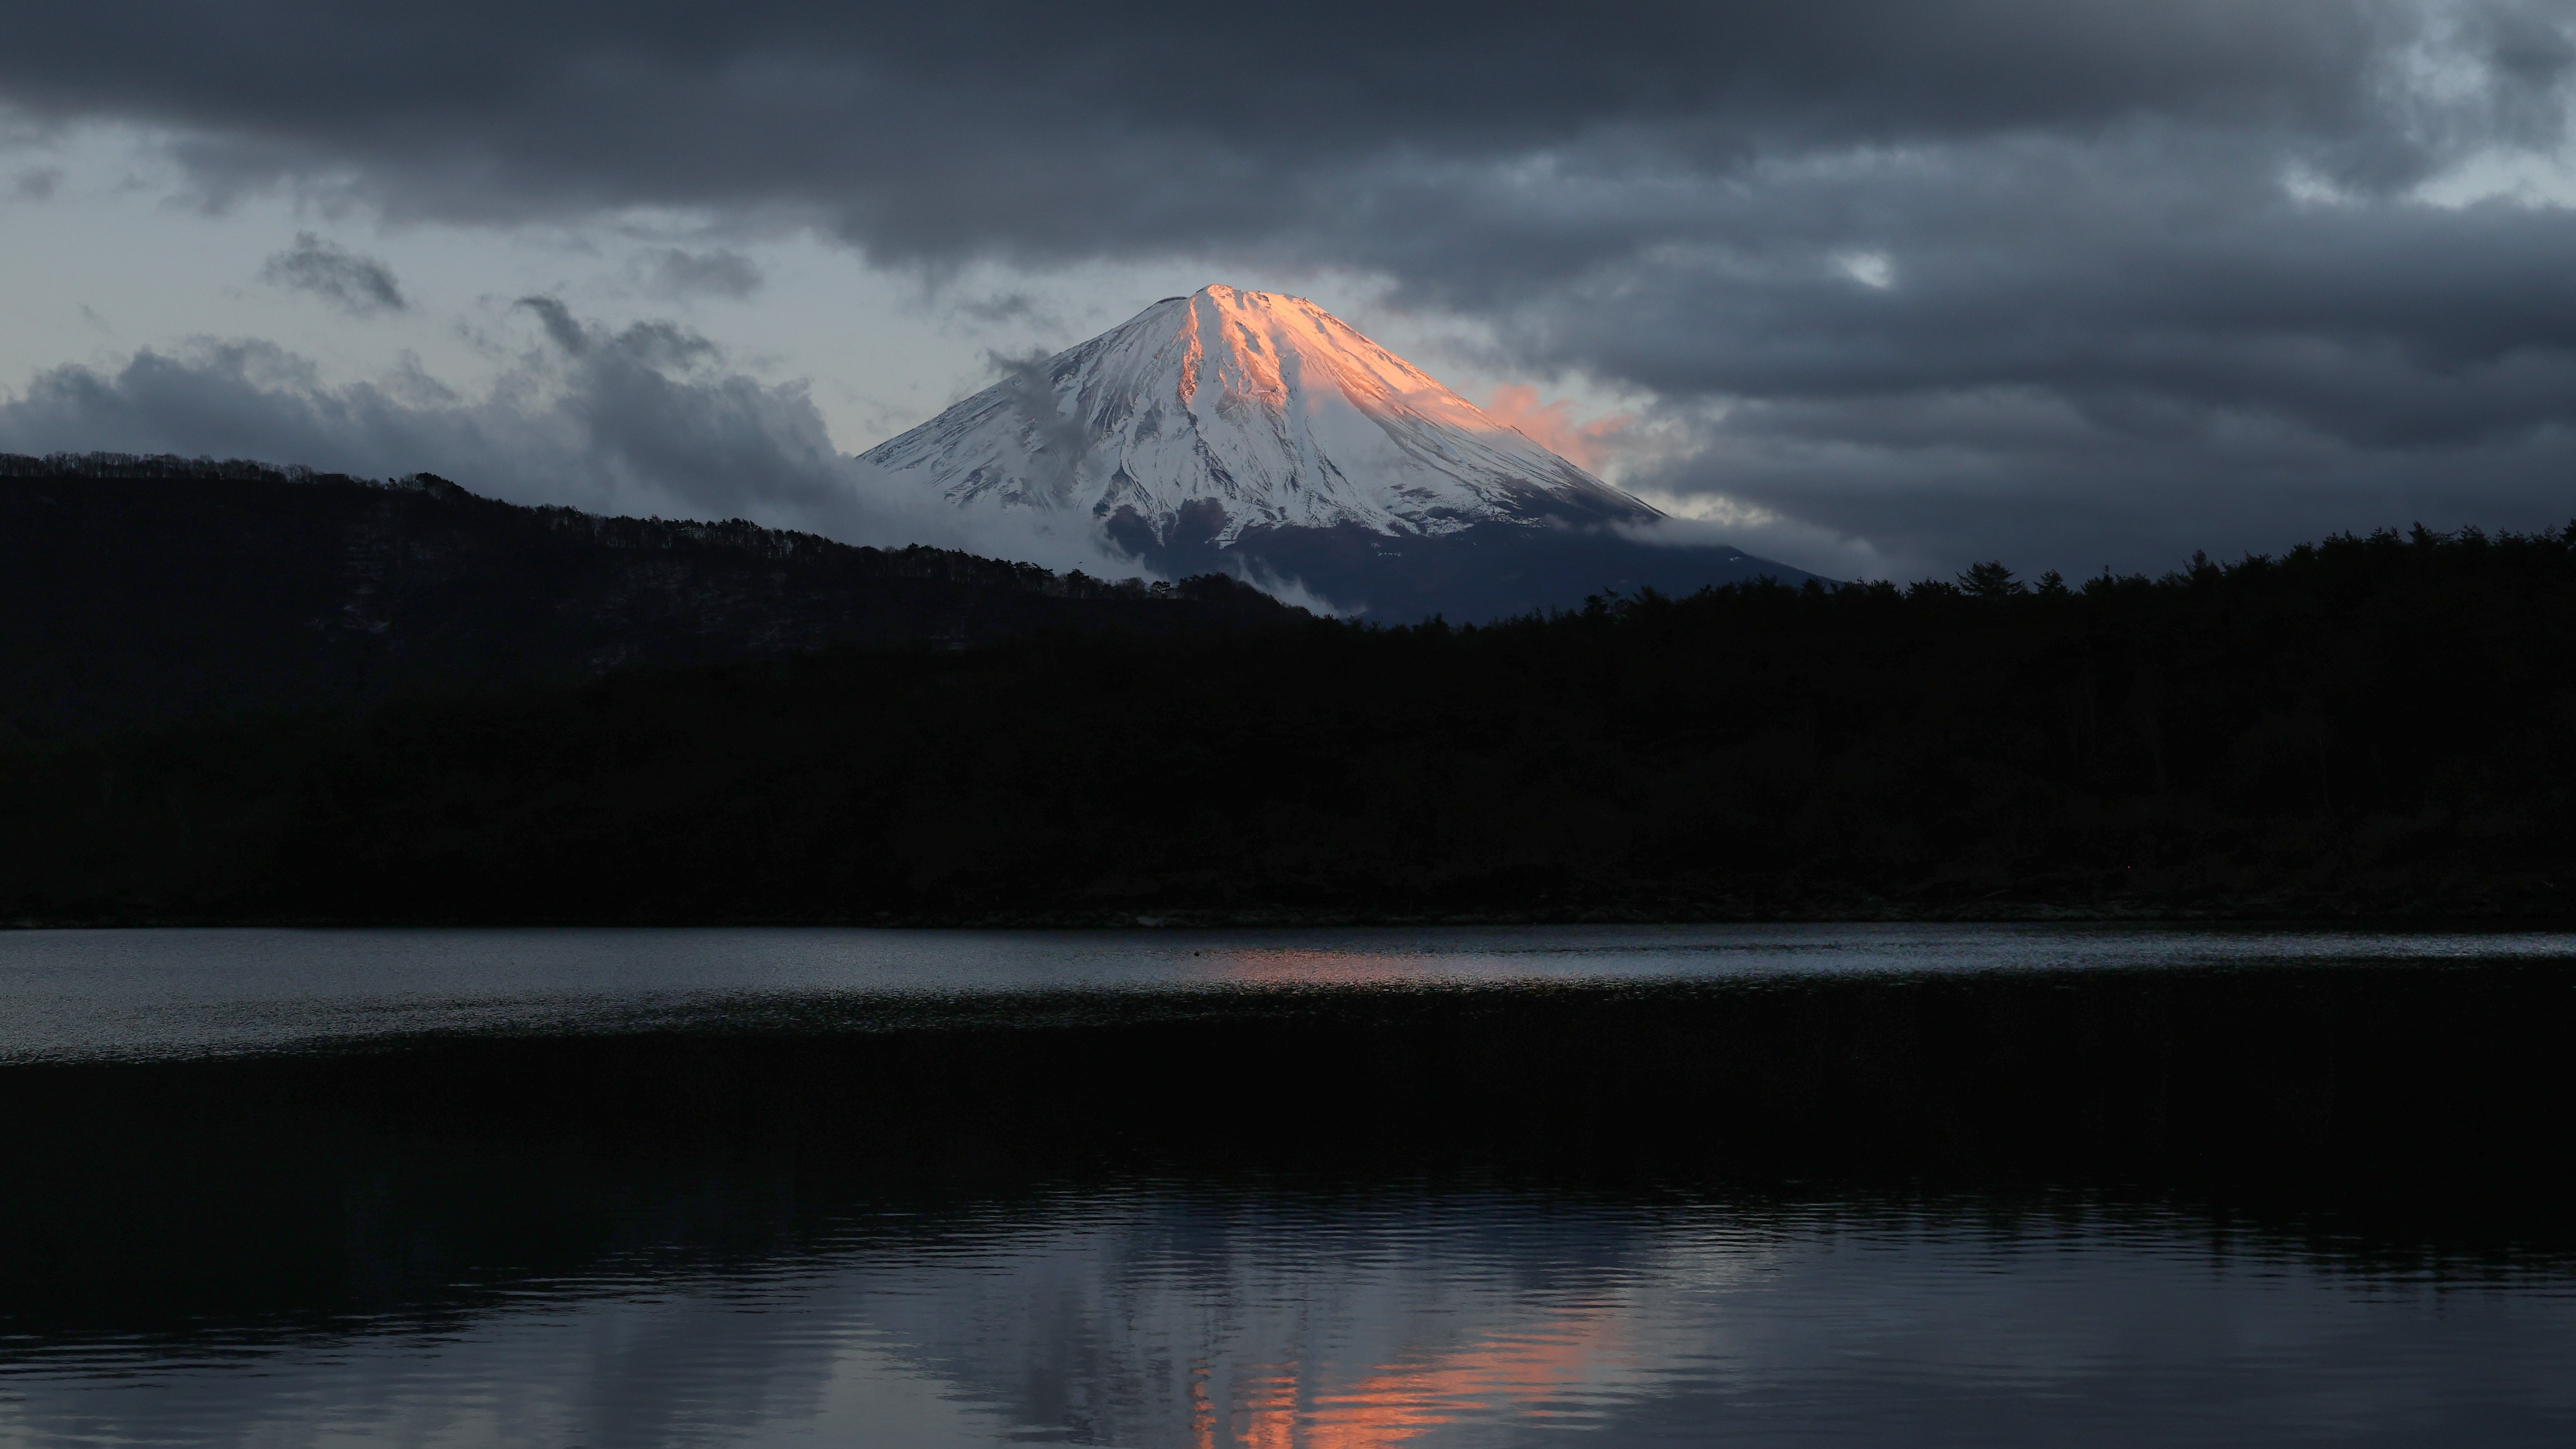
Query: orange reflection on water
[[1306, 968], [1398, 1402]]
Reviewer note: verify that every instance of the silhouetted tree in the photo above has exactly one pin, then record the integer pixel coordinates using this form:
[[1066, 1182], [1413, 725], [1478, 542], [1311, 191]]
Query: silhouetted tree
[[1989, 581]]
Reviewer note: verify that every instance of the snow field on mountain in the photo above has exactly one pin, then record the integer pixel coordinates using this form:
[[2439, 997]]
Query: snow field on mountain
[[1268, 407]]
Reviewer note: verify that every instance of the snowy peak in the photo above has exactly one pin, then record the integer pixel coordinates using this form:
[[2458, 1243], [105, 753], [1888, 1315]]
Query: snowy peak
[[1227, 412]]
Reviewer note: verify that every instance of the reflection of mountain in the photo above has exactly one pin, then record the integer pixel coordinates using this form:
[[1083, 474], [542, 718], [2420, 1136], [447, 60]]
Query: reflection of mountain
[[1316, 1218], [1181, 1320], [1154, 1317]]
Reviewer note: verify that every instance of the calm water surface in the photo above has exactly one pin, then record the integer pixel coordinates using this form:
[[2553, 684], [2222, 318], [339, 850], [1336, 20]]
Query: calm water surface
[[366, 1267], [73, 995]]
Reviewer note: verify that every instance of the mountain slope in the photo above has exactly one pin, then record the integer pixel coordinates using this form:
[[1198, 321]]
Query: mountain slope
[[1259, 433], [141, 590]]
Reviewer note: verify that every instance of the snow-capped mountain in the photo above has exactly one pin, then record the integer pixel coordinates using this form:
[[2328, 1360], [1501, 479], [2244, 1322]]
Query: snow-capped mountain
[[1260, 434], [1269, 407]]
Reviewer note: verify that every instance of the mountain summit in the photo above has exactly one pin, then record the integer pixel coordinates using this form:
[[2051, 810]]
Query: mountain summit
[[1261, 434]]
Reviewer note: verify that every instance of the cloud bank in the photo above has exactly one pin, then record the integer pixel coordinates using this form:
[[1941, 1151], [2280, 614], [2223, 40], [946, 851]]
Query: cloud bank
[[648, 419]]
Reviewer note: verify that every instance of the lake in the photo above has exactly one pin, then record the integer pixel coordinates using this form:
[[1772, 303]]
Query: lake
[[1813, 1185]]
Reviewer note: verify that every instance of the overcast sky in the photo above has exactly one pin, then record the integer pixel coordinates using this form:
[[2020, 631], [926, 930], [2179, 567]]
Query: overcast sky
[[1874, 287]]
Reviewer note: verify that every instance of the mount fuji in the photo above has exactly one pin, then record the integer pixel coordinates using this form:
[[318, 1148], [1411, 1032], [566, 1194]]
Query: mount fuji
[[1259, 435]]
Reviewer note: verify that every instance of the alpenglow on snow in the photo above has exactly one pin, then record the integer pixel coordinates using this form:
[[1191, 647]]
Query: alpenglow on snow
[[1271, 408], [1258, 434]]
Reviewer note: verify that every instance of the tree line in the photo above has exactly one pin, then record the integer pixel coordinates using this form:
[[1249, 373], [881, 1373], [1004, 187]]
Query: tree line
[[2369, 726]]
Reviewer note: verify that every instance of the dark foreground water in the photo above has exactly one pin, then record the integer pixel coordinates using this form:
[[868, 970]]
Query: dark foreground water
[[1568, 1186]]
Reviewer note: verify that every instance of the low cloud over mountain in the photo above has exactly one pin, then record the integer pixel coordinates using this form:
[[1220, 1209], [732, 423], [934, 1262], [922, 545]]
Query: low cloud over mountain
[[645, 419]]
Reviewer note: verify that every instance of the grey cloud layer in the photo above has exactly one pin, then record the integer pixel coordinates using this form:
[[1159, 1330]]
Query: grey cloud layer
[[933, 128], [2154, 275]]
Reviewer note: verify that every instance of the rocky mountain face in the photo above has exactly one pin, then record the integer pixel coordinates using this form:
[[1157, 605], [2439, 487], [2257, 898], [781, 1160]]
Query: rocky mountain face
[[134, 591], [1260, 434]]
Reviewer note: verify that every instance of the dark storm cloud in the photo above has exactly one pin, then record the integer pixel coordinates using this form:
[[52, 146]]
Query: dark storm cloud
[[2144, 306], [923, 129], [359, 286], [1998, 270]]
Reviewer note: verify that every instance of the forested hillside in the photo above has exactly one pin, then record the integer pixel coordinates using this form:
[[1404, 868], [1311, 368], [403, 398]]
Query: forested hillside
[[2372, 726], [135, 590]]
